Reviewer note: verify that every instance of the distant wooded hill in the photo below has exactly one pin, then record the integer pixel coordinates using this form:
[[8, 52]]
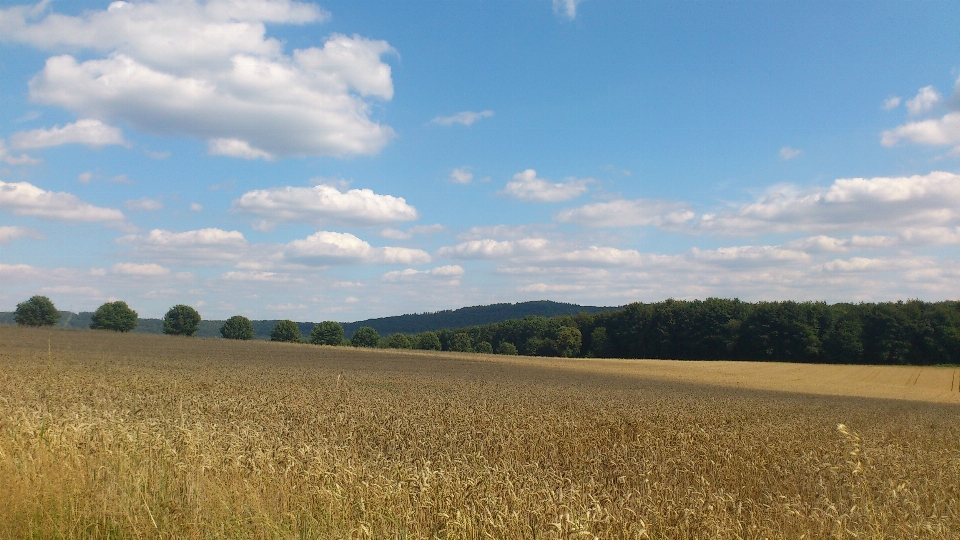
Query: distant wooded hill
[[406, 324], [468, 316]]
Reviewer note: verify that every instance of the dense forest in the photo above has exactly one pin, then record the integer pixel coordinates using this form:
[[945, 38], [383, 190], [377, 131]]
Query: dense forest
[[914, 332]]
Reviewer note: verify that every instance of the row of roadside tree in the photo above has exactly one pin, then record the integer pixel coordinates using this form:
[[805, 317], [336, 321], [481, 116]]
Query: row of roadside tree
[[183, 320]]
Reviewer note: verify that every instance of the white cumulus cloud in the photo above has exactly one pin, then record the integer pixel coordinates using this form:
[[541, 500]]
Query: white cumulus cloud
[[236, 148], [221, 80], [881, 203], [89, 132], [933, 132], [25, 199], [925, 99], [10, 159], [527, 187], [324, 204], [10, 233], [326, 247], [203, 247]]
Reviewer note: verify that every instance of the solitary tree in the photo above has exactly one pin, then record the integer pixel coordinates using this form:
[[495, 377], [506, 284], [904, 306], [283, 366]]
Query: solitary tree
[[37, 311], [181, 320], [505, 347], [286, 330], [237, 327], [365, 336], [116, 316], [327, 333]]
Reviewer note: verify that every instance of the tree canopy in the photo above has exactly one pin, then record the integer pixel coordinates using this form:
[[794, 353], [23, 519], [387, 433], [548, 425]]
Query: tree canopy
[[365, 336], [327, 333], [181, 320], [287, 331], [116, 316], [398, 341], [37, 311], [237, 327]]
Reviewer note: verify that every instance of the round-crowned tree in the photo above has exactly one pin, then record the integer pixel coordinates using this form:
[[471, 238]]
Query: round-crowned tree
[[365, 336], [484, 347], [505, 347], [237, 327], [37, 311], [286, 330], [181, 320], [429, 341], [569, 340], [116, 316], [461, 342], [327, 333]]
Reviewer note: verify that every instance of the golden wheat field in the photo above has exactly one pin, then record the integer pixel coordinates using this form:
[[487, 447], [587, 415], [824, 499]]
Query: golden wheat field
[[105, 435]]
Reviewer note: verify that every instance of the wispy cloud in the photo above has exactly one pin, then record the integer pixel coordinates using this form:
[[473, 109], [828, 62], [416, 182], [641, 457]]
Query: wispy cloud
[[787, 153], [566, 8], [464, 118]]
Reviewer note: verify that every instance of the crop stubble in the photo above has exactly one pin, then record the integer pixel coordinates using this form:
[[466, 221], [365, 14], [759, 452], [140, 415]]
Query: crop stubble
[[106, 436]]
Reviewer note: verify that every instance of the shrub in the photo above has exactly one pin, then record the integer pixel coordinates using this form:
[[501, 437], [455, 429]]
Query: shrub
[[116, 316], [327, 333], [484, 347], [181, 320], [506, 347], [287, 331], [365, 336], [37, 311], [237, 327], [428, 341]]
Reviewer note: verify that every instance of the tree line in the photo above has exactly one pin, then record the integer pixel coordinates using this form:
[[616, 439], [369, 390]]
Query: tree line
[[913, 332], [184, 320]]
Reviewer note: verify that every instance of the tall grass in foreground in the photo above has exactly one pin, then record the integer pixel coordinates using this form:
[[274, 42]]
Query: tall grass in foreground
[[149, 437]]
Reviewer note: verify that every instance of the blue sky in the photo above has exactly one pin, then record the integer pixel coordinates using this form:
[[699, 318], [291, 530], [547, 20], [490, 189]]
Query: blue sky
[[345, 160]]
